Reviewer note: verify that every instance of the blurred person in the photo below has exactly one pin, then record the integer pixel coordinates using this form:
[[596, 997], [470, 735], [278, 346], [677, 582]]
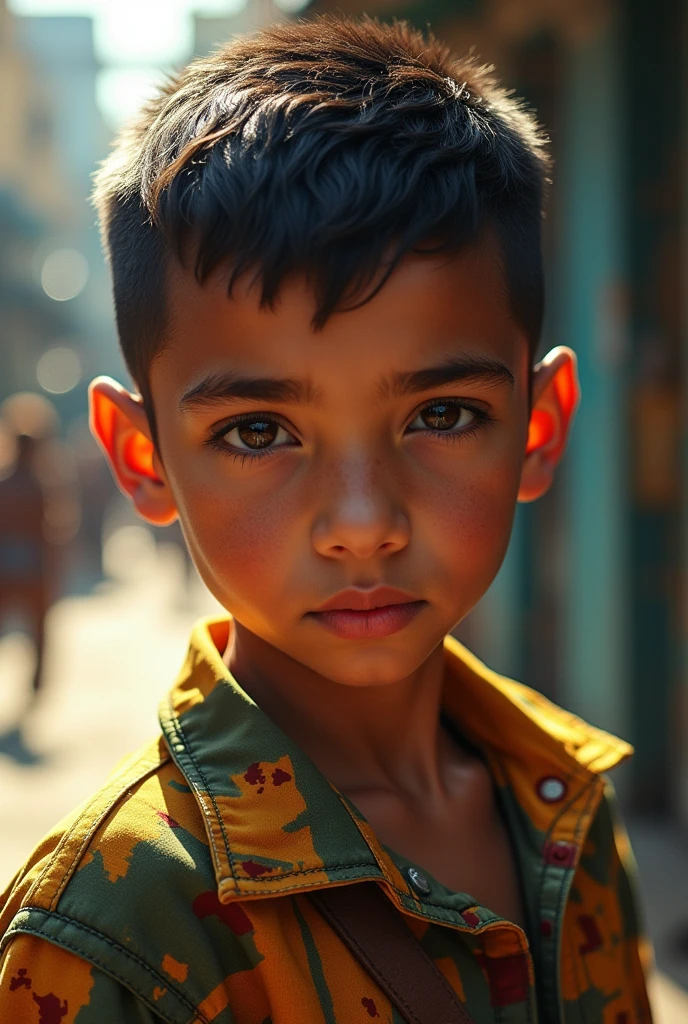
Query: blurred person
[[38, 516], [325, 248], [96, 493]]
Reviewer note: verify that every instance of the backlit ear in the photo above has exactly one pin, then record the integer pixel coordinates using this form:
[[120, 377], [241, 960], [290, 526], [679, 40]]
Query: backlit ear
[[120, 426], [556, 393]]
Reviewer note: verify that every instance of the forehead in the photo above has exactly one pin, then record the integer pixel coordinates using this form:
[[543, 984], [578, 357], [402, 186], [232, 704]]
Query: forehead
[[431, 307]]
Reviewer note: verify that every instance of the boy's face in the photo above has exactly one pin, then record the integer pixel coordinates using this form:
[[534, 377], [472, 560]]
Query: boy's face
[[305, 464]]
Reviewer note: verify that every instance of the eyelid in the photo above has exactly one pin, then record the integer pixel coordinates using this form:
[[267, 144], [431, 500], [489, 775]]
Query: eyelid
[[225, 425], [476, 407]]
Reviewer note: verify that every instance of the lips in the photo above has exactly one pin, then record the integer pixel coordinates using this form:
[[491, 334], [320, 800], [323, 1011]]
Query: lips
[[365, 600], [367, 614]]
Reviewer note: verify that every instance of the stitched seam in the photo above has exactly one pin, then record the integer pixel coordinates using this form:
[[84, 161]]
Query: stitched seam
[[466, 930], [525, 976], [564, 888], [61, 844], [584, 813], [70, 832], [586, 810], [544, 867], [106, 968], [309, 871], [176, 725], [381, 865], [94, 828]]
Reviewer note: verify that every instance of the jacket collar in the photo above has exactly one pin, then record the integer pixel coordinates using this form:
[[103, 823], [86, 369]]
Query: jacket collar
[[276, 825]]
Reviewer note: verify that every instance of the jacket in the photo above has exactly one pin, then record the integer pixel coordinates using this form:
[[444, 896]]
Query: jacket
[[177, 893]]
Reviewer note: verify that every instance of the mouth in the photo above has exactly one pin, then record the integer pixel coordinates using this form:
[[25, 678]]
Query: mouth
[[367, 614]]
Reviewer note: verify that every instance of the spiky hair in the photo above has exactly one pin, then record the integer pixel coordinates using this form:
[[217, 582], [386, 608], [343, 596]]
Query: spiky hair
[[329, 148]]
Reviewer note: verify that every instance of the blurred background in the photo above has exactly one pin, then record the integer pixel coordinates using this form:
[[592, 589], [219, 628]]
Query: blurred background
[[590, 606]]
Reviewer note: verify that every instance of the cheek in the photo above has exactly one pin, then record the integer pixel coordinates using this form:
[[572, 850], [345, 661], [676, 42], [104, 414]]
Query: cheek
[[240, 535], [470, 524]]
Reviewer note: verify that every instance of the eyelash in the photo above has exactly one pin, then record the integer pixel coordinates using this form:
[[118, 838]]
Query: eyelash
[[216, 440]]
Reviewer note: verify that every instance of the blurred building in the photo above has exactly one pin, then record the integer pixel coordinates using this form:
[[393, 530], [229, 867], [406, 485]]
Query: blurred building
[[33, 204], [57, 323], [61, 50], [590, 605], [211, 31]]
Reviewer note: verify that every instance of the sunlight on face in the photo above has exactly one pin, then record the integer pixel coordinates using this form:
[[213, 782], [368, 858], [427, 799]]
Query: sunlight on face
[[303, 463]]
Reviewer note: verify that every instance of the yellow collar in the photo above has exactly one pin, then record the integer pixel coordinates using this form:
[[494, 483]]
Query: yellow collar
[[275, 824]]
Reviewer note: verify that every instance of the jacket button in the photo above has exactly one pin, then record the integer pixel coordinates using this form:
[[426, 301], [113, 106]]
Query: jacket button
[[418, 881], [559, 854], [551, 789]]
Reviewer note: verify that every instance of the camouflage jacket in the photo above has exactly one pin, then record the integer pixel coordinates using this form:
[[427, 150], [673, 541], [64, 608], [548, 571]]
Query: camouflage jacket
[[177, 893]]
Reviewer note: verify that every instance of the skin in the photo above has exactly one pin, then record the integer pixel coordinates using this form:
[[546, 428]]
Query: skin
[[359, 492]]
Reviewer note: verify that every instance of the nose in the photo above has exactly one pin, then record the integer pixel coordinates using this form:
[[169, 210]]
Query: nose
[[361, 515]]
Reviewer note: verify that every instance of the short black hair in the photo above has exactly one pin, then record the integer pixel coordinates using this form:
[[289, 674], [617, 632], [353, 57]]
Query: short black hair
[[330, 148]]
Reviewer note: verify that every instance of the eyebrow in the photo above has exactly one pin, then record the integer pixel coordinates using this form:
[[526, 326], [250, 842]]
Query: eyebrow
[[228, 386], [465, 369]]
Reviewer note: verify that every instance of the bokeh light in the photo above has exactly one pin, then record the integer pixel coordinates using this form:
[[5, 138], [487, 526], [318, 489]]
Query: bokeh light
[[64, 274], [29, 413], [292, 6], [58, 370]]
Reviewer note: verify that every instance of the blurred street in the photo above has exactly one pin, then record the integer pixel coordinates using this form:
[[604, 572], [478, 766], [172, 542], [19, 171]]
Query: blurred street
[[112, 654]]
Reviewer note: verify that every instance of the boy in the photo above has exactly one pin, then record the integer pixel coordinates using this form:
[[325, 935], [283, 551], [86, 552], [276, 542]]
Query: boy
[[325, 248]]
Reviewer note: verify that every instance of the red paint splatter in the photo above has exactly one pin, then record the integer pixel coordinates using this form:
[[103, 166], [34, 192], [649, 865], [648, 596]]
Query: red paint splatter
[[254, 775], [622, 1017], [278, 777], [20, 980], [507, 977], [593, 938], [546, 929], [231, 914], [168, 820], [370, 1007], [253, 869], [470, 918], [49, 1009], [260, 790]]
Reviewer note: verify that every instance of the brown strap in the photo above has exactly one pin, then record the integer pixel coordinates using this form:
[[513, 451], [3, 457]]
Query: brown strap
[[367, 922]]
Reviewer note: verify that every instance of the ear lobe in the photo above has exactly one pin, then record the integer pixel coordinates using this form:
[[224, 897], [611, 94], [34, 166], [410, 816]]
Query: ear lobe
[[120, 425]]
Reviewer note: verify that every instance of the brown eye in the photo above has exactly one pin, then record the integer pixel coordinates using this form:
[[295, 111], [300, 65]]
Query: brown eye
[[441, 415], [447, 417], [260, 434], [255, 436]]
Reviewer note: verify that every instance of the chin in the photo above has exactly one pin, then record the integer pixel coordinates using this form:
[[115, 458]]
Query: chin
[[371, 668]]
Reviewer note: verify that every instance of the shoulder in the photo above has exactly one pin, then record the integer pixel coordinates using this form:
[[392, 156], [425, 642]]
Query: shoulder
[[40, 981], [50, 865], [120, 881]]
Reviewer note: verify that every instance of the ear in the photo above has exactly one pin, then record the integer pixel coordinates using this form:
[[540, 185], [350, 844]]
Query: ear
[[120, 426], [556, 393]]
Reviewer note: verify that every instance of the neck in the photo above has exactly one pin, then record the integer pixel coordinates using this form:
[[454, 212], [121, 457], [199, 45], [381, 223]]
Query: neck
[[362, 738]]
